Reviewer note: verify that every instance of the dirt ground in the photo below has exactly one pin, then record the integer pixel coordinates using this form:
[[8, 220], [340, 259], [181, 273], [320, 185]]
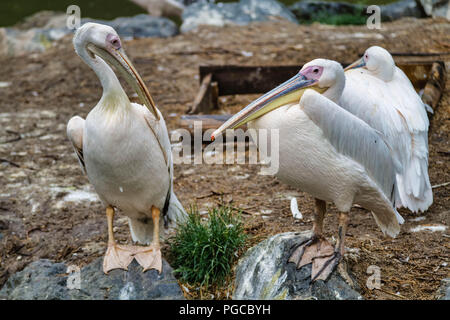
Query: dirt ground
[[49, 210]]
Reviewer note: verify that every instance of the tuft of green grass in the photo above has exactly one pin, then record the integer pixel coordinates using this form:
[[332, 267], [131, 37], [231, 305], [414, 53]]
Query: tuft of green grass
[[202, 251]]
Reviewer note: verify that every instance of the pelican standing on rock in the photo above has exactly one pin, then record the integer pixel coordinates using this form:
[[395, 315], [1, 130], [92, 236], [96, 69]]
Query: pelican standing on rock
[[124, 149], [328, 152], [379, 93]]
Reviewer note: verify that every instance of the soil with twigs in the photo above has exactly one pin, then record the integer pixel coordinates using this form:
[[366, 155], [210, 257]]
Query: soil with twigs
[[47, 207]]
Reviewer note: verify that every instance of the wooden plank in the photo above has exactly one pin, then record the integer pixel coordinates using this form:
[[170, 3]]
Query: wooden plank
[[206, 99], [232, 79], [435, 85], [417, 73]]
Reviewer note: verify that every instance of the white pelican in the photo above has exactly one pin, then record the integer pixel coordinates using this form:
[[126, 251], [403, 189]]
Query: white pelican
[[328, 152], [124, 149], [380, 93]]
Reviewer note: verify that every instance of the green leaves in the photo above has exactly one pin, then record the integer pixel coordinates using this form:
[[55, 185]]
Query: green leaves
[[204, 251]]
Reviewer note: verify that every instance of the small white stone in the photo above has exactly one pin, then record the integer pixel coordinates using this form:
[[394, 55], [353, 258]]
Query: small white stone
[[431, 228], [247, 53]]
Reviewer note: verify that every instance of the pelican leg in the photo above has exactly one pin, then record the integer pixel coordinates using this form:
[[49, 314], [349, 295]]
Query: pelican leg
[[117, 256], [317, 245], [150, 257], [324, 265]]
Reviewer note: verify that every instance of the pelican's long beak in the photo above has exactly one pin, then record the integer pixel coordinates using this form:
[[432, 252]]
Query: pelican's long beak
[[120, 61], [357, 64], [288, 92]]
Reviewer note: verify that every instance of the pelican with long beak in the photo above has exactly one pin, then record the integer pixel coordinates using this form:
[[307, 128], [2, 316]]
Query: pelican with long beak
[[124, 149], [379, 93], [328, 152]]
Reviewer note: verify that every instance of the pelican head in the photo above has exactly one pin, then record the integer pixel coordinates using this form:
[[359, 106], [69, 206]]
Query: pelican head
[[98, 44], [378, 61], [324, 76]]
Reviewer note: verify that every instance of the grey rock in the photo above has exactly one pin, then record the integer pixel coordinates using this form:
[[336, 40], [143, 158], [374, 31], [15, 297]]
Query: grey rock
[[400, 9], [15, 42], [140, 26], [239, 13], [444, 290], [188, 2], [46, 280], [435, 8], [161, 8], [307, 10], [263, 273]]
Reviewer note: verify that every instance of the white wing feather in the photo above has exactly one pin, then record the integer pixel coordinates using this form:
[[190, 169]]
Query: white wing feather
[[354, 138], [75, 131], [175, 211], [395, 109]]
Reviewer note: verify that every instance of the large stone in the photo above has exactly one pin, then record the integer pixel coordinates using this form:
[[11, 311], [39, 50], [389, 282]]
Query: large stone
[[140, 26], [400, 9], [308, 10], [239, 13], [264, 273], [46, 280], [161, 8], [435, 8]]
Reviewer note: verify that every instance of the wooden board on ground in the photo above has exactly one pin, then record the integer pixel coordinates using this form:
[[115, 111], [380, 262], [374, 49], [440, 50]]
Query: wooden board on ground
[[427, 78]]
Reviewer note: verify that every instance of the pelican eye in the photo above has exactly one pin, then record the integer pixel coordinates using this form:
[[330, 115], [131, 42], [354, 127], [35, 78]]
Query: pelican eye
[[316, 70], [114, 41]]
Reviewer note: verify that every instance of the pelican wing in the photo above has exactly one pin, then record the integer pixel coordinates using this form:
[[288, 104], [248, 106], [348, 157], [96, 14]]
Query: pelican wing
[[395, 109], [159, 130], [354, 138], [414, 184], [173, 211], [75, 129], [365, 97]]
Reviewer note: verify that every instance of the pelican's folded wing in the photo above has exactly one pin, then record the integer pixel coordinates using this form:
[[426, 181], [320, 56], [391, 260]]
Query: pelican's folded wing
[[396, 110], [354, 138], [75, 129], [173, 211]]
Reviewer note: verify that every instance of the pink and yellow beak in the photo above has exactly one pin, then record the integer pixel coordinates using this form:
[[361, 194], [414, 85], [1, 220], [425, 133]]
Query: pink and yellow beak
[[288, 92], [360, 63]]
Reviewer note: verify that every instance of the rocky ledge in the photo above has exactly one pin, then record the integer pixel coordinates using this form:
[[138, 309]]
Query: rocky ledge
[[263, 273], [47, 280]]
